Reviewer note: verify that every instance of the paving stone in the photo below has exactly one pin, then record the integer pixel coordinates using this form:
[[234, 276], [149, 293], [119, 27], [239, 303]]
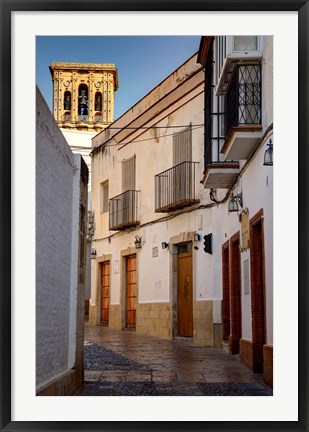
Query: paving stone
[[119, 363], [113, 376], [222, 389], [134, 389], [92, 375], [138, 376]]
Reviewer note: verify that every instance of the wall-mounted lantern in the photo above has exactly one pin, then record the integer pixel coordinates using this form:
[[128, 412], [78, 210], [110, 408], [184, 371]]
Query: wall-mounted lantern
[[138, 242], [164, 245], [93, 253], [235, 202], [268, 156]]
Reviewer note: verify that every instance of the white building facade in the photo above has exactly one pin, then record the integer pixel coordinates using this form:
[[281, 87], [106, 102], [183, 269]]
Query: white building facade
[[239, 176], [169, 258]]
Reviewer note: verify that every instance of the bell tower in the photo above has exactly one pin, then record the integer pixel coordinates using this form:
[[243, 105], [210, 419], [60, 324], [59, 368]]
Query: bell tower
[[83, 95]]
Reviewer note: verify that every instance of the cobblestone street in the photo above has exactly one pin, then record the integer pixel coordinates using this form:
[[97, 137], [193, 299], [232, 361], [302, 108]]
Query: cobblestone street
[[123, 363]]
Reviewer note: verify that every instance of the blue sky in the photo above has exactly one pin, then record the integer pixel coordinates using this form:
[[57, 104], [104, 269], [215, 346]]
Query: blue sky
[[142, 61]]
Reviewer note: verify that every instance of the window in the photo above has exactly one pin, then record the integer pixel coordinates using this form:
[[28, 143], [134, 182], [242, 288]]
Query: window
[[182, 146], [245, 43], [104, 197], [98, 102], [128, 174], [83, 100], [67, 100]]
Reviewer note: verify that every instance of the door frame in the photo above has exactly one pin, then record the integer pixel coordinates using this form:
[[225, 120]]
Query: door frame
[[190, 325], [175, 242], [124, 254], [226, 309], [235, 295], [258, 341], [98, 261], [102, 264], [127, 326]]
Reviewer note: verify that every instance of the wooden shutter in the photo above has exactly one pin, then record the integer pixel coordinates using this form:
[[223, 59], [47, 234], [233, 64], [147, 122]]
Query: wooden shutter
[[104, 197], [128, 174], [182, 146]]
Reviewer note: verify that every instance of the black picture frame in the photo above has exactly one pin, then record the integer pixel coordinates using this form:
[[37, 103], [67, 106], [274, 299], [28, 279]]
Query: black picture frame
[[6, 9]]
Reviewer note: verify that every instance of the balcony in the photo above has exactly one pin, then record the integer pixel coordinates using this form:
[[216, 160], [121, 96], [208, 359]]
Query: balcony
[[175, 188], [123, 211], [243, 113], [220, 175]]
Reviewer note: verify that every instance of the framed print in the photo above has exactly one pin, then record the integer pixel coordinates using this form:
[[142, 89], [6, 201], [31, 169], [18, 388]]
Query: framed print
[[79, 98]]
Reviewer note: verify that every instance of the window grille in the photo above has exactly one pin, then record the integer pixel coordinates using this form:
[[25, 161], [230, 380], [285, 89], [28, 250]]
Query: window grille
[[243, 100]]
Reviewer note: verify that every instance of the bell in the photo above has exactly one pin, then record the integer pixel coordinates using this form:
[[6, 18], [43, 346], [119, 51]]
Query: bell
[[83, 99]]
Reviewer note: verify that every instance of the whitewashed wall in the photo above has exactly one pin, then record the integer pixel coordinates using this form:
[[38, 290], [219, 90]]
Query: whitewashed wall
[[154, 156], [57, 261]]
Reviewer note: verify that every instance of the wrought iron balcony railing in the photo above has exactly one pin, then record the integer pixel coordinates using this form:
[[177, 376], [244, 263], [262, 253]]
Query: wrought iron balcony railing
[[175, 187], [243, 99], [240, 107], [123, 210]]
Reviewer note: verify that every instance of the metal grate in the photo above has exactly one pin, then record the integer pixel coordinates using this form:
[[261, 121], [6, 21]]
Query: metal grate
[[243, 101], [123, 210], [175, 187]]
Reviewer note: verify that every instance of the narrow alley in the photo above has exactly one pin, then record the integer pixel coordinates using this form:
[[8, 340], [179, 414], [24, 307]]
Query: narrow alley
[[123, 363]]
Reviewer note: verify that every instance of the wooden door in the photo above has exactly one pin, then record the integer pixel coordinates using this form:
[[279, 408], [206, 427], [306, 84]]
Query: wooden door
[[131, 291], [105, 281], [226, 291], [184, 296], [235, 296], [257, 292]]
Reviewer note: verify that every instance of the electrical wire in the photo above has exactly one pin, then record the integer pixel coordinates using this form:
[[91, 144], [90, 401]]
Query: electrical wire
[[138, 141], [149, 127]]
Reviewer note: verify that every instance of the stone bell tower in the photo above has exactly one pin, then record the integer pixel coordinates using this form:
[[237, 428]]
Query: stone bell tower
[[83, 105], [83, 95], [83, 102]]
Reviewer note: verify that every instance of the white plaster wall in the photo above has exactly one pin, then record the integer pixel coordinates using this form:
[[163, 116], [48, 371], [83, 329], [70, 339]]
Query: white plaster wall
[[57, 266], [258, 193], [75, 285], [54, 186], [80, 142]]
